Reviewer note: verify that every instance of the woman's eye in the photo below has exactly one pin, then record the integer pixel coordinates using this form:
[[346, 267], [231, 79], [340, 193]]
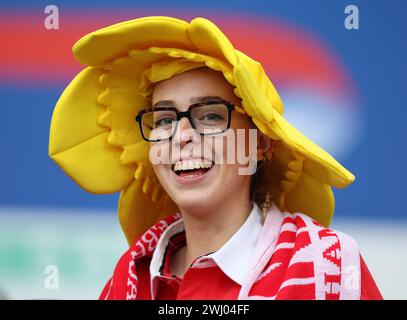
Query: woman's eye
[[163, 122], [212, 117]]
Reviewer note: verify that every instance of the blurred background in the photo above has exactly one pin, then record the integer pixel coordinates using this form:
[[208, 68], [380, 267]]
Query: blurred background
[[342, 81]]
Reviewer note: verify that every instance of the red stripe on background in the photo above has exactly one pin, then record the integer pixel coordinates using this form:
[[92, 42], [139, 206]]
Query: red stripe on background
[[287, 54]]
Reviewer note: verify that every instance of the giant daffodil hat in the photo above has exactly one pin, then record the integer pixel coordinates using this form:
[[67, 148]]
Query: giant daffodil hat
[[95, 139]]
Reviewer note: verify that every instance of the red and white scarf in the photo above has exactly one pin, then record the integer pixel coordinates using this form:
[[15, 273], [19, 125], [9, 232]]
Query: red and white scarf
[[295, 258]]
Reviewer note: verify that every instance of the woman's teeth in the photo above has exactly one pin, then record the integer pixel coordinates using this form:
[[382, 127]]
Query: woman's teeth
[[180, 166]]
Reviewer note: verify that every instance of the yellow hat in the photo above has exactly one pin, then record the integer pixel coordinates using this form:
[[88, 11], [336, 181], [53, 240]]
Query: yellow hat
[[95, 139]]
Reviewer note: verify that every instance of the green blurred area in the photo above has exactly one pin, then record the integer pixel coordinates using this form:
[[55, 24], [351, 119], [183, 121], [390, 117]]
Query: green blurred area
[[83, 246]]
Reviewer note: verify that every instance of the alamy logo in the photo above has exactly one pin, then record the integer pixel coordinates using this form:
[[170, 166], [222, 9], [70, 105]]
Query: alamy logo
[[352, 19], [52, 20], [51, 281]]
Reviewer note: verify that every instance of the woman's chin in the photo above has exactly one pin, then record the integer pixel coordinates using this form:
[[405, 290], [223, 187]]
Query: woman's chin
[[192, 202]]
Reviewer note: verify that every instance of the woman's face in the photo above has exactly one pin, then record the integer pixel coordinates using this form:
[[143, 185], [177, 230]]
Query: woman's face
[[198, 188]]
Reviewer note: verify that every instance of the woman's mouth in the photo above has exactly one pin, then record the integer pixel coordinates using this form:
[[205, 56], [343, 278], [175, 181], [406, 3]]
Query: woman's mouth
[[191, 170]]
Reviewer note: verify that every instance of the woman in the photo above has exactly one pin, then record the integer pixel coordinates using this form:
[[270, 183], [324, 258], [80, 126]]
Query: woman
[[221, 197]]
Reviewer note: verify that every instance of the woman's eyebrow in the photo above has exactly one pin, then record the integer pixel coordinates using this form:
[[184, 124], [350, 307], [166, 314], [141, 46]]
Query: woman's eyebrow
[[204, 99], [163, 104], [198, 99]]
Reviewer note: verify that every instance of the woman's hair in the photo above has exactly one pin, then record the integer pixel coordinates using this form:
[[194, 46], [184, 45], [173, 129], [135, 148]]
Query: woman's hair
[[262, 190]]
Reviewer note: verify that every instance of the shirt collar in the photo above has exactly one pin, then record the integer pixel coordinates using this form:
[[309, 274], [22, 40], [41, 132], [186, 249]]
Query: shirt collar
[[234, 258]]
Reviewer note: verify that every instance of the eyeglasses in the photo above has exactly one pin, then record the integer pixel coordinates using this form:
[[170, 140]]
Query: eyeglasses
[[207, 118]]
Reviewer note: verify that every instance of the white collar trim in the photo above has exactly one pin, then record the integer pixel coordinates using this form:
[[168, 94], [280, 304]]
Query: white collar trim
[[234, 258]]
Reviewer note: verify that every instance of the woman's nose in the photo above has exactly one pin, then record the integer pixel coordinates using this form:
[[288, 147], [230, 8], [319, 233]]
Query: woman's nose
[[184, 132]]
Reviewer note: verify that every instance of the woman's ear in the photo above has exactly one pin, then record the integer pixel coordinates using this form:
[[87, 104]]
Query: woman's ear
[[264, 146]]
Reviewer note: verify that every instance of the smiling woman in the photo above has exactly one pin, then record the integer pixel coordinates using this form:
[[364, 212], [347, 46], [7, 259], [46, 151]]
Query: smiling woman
[[219, 182], [224, 200], [200, 227]]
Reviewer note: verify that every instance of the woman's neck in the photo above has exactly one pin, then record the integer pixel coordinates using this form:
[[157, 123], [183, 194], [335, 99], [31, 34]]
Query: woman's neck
[[208, 230]]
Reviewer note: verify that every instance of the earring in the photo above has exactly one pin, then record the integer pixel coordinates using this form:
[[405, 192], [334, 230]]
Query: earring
[[265, 206]]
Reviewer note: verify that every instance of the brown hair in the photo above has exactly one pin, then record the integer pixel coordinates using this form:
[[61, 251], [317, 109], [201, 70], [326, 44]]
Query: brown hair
[[264, 188]]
